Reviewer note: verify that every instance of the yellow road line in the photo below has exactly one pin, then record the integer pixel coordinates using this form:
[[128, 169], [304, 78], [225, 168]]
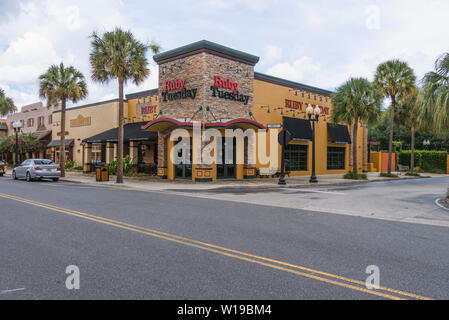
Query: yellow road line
[[223, 251]]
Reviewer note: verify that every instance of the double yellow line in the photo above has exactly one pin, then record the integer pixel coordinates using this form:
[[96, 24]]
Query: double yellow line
[[340, 281]]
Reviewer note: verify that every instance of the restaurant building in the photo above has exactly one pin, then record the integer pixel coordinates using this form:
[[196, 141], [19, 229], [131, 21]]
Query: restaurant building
[[205, 87]]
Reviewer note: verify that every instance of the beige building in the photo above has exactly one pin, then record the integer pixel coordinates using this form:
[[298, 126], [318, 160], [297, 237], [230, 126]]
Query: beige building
[[3, 128], [35, 118], [82, 122]]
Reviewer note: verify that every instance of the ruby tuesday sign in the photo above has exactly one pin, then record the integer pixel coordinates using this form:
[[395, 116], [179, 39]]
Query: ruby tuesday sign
[[228, 95], [180, 92]]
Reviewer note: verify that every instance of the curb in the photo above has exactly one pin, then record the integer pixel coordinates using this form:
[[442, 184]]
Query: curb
[[238, 187], [437, 202]]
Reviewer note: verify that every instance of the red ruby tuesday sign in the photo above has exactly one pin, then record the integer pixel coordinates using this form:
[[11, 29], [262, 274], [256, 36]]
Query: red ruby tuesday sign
[[227, 84], [181, 91]]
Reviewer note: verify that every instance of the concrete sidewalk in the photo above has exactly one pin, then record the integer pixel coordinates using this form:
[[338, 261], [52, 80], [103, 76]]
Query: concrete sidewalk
[[157, 184]]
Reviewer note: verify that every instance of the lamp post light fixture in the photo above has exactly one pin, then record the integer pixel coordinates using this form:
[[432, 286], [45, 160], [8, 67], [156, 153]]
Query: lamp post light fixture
[[17, 125], [314, 115]]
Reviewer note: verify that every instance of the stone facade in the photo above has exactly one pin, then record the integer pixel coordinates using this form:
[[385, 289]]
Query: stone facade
[[199, 71]]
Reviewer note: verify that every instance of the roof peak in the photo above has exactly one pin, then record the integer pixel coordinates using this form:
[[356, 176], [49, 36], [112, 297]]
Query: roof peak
[[209, 47]]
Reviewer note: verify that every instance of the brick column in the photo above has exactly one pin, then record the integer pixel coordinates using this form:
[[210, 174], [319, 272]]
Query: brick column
[[162, 154]]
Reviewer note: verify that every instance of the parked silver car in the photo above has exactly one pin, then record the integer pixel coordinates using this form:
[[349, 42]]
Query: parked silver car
[[37, 169]]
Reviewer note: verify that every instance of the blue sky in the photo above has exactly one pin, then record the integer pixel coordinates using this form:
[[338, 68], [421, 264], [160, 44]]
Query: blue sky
[[319, 43]]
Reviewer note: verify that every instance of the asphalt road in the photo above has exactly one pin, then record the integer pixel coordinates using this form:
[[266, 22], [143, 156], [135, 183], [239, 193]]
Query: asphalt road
[[146, 245]]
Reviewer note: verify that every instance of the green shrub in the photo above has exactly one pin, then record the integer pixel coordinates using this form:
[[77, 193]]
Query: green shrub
[[113, 168], [69, 164], [389, 175], [355, 176], [126, 166], [412, 174], [430, 161], [79, 168]]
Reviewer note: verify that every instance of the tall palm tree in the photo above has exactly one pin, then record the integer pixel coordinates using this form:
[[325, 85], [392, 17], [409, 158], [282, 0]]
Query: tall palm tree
[[6, 104], [436, 94], [356, 101], [409, 110], [59, 85], [394, 79], [118, 55]]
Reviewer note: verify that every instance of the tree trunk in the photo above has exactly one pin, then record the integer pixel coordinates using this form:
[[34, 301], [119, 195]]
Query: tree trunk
[[120, 132], [62, 146], [412, 155], [355, 168], [390, 142]]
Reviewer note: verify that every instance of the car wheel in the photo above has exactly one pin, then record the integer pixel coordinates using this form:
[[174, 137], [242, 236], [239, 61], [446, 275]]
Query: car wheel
[[56, 179], [28, 177], [14, 175]]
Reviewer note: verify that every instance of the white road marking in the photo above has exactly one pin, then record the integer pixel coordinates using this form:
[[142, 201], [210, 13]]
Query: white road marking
[[325, 192], [440, 205], [9, 291]]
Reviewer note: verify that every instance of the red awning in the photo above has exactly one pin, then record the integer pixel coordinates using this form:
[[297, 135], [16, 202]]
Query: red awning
[[162, 124]]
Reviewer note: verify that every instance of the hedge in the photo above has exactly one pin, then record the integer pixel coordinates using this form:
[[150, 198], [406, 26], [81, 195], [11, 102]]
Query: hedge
[[430, 161]]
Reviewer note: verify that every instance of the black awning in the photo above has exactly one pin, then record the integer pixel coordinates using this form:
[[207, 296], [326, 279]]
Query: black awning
[[57, 143], [300, 129], [132, 132], [339, 133]]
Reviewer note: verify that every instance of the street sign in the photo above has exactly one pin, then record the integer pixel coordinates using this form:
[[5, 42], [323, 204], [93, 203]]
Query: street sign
[[284, 137]]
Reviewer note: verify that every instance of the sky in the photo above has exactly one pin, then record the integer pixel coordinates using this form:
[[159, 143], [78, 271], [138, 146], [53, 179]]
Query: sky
[[318, 43]]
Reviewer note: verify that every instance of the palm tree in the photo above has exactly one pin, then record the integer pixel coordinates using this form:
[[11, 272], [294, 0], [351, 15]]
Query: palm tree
[[6, 104], [394, 79], [409, 110], [436, 94], [118, 55], [356, 101], [59, 85]]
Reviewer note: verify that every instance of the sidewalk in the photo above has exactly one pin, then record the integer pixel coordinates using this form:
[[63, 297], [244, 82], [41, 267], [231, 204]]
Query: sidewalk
[[157, 184]]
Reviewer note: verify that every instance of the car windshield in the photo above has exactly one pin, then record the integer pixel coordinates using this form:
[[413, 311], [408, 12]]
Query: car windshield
[[43, 162]]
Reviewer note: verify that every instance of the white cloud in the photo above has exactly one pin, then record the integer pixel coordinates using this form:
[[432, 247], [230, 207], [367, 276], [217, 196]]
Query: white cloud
[[300, 70], [273, 53], [26, 58], [20, 97]]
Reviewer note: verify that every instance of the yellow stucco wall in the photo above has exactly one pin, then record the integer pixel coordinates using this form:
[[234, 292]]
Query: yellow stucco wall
[[376, 160], [143, 107], [103, 116], [269, 96]]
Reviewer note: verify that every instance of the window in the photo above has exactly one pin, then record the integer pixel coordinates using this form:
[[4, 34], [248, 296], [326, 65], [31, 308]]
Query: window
[[296, 158], [50, 119], [40, 121], [43, 162], [30, 122], [336, 158], [96, 153]]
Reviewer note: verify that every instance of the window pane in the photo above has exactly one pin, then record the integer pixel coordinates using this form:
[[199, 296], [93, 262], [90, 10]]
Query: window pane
[[296, 158], [336, 158], [43, 162]]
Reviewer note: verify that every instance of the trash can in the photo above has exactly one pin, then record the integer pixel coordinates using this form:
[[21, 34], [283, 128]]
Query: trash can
[[87, 168], [102, 173]]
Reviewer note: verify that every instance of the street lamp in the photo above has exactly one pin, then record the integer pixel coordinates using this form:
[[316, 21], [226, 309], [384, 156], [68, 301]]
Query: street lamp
[[314, 116], [17, 125]]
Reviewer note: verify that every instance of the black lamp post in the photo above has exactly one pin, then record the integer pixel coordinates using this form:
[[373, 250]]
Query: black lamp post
[[17, 125], [314, 116]]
